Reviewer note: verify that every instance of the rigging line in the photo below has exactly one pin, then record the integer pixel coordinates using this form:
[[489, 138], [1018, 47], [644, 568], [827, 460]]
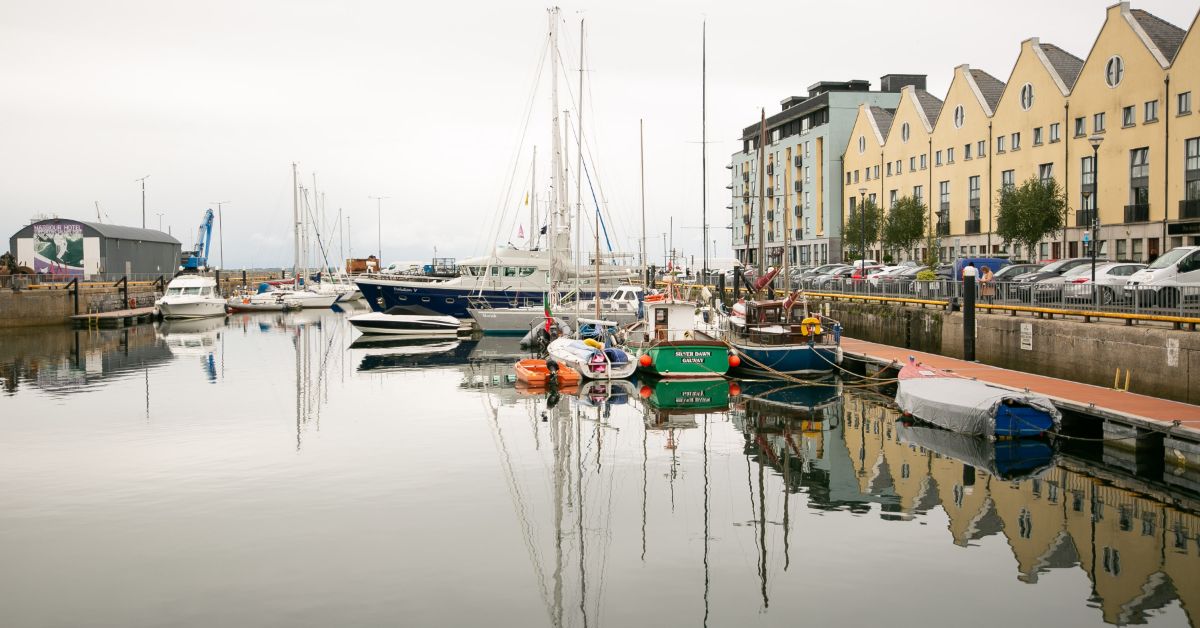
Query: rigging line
[[518, 149], [599, 218]]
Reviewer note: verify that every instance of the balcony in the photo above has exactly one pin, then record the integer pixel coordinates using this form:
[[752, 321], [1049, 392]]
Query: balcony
[[799, 234], [770, 169], [943, 228], [729, 187], [972, 227], [798, 161], [1083, 217], [770, 215], [1137, 213], [746, 219], [746, 177], [1189, 209], [798, 186], [771, 236], [796, 211], [770, 192]]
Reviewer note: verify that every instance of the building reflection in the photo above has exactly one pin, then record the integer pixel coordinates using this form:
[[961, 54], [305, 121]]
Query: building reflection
[[1137, 542], [61, 360]]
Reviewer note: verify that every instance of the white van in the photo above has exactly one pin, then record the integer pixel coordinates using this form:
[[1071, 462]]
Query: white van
[[1172, 277]]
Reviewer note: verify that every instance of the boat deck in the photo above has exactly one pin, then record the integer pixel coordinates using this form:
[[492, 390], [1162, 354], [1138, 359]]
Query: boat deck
[[1142, 410]]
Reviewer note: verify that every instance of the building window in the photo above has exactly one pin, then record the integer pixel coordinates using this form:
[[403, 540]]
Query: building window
[[1114, 71], [1016, 141], [937, 158], [1027, 96], [1046, 172], [892, 198], [862, 144], [1139, 176], [918, 193], [960, 116], [876, 172], [904, 132], [1037, 136], [924, 161], [1183, 104], [1000, 144], [1054, 132], [1087, 183], [1127, 118], [966, 152], [847, 178], [912, 164], [1098, 123], [973, 198], [1191, 175], [899, 166], [856, 176], [981, 149], [807, 174], [1151, 110], [1008, 180], [943, 197], [949, 155], [1080, 127], [889, 169]]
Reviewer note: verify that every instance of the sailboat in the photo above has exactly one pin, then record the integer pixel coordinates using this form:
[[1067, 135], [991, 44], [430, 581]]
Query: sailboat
[[778, 336], [594, 351]]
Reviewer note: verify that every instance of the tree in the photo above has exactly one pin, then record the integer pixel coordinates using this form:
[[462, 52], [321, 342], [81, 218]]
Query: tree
[[852, 235], [1030, 212], [905, 224]]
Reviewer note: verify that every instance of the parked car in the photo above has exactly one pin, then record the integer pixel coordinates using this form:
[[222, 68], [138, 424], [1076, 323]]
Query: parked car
[[1008, 273], [813, 278], [834, 278], [863, 272], [1050, 289], [886, 275], [1022, 285], [1110, 279], [1171, 279]]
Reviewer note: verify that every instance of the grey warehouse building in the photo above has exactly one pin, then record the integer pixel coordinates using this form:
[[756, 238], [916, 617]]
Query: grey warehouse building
[[92, 250]]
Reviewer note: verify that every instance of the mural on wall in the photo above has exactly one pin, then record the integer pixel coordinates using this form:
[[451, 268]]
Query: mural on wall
[[58, 248]]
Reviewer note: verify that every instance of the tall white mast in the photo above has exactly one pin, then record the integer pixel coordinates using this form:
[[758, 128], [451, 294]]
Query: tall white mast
[[296, 232], [558, 181], [579, 180], [533, 217], [642, 171]]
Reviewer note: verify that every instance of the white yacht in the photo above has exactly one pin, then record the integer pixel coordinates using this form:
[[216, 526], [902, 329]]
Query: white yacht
[[191, 296]]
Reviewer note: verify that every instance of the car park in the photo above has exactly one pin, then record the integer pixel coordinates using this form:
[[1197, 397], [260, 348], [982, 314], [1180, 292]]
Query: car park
[[1022, 285], [1109, 286]]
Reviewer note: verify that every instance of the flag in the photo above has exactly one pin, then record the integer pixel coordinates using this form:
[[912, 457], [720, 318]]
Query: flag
[[520, 231], [546, 310]]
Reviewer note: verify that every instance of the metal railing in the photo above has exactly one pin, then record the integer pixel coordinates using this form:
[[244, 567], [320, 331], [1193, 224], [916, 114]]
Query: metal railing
[[1138, 212], [1083, 217], [1189, 209], [971, 227], [1139, 301]]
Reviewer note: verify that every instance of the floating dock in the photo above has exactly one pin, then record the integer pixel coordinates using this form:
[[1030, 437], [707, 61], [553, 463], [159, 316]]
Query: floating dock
[[115, 318], [1138, 423]]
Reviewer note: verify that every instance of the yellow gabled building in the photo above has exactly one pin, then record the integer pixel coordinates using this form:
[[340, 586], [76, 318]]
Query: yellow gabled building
[[1133, 93]]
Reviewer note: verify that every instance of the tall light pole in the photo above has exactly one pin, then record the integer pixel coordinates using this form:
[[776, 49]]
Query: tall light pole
[[862, 221], [160, 215], [379, 227], [221, 230], [1095, 140], [143, 181]]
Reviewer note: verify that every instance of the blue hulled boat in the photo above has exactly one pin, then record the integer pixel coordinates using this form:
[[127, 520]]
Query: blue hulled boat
[[773, 337]]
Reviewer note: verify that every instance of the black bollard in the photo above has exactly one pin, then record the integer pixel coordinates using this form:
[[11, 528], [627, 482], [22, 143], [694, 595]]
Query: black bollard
[[737, 284], [721, 287], [969, 317]]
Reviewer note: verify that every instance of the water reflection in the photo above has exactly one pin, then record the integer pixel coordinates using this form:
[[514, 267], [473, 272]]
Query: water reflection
[[396, 471]]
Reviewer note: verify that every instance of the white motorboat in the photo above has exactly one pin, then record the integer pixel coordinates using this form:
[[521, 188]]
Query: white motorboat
[[406, 320], [272, 301], [191, 296], [621, 307]]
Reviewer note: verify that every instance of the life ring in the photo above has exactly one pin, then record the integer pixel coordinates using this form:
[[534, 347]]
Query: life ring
[[810, 326], [132, 303]]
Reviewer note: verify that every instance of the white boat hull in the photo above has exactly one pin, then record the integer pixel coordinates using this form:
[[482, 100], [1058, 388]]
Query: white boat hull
[[190, 308], [378, 323], [569, 352]]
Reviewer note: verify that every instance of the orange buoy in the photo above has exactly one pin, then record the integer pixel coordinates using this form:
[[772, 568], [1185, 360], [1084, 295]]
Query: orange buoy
[[645, 392], [645, 360], [735, 388], [734, 360]]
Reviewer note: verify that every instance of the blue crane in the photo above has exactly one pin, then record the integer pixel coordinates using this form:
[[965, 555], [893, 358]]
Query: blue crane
[[198, 259]]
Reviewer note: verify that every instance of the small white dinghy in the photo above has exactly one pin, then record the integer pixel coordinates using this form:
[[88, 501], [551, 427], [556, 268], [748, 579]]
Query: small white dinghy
[[406, 320], [592, 358]]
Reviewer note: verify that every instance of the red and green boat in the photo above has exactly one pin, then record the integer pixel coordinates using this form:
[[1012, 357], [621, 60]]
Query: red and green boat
[[665, 342]]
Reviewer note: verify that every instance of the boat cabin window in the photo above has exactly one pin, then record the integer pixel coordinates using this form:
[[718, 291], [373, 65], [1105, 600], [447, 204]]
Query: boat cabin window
[[174, 291], [660, 316], [495, 271], [527, 271], [192, 290], [510, 271]]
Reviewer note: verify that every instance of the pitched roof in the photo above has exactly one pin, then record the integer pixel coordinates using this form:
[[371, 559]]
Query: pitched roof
[[883, 119], [991, 87], [1166, 36], [130, 233], [932, 105], [1067, 65]]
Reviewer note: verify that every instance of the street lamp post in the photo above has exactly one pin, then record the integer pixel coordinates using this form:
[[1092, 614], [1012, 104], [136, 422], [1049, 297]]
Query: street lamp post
[[143, 181], [220, 231], [862, 222], [160, 215], [379, 227], [1095, 140]]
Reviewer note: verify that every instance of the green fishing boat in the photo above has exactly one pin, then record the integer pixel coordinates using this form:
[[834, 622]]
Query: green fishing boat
[[686, 395], [666, 345]]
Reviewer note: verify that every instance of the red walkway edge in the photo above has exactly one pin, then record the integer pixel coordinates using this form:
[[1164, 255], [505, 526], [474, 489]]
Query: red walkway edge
[[1132, 405]]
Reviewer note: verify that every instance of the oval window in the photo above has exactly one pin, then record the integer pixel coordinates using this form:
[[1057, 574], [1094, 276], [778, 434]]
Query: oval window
[[862, 144], [960, 116], [1114, 71], [904, 132], [1026, 96]]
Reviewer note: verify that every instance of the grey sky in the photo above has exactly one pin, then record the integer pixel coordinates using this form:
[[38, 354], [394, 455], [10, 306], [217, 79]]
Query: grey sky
[[423, 102]]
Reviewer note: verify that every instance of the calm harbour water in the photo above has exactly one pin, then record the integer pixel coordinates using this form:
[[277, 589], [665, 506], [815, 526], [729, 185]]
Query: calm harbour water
[[262, 471]]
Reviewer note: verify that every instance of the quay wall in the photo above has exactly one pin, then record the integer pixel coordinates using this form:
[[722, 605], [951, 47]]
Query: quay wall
[[1160, 362], [32, 308]]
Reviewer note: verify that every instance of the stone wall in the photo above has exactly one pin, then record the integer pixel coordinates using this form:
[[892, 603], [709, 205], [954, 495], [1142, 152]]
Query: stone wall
[[30, 308], [1161, 362]]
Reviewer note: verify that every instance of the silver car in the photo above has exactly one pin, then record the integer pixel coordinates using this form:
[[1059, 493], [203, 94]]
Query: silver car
[[1110, 277]]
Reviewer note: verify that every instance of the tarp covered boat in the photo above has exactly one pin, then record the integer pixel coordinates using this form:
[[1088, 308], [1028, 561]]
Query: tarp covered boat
[[972, 407]]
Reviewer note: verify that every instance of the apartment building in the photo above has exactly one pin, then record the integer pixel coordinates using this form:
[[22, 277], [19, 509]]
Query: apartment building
[[1131, 95]]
